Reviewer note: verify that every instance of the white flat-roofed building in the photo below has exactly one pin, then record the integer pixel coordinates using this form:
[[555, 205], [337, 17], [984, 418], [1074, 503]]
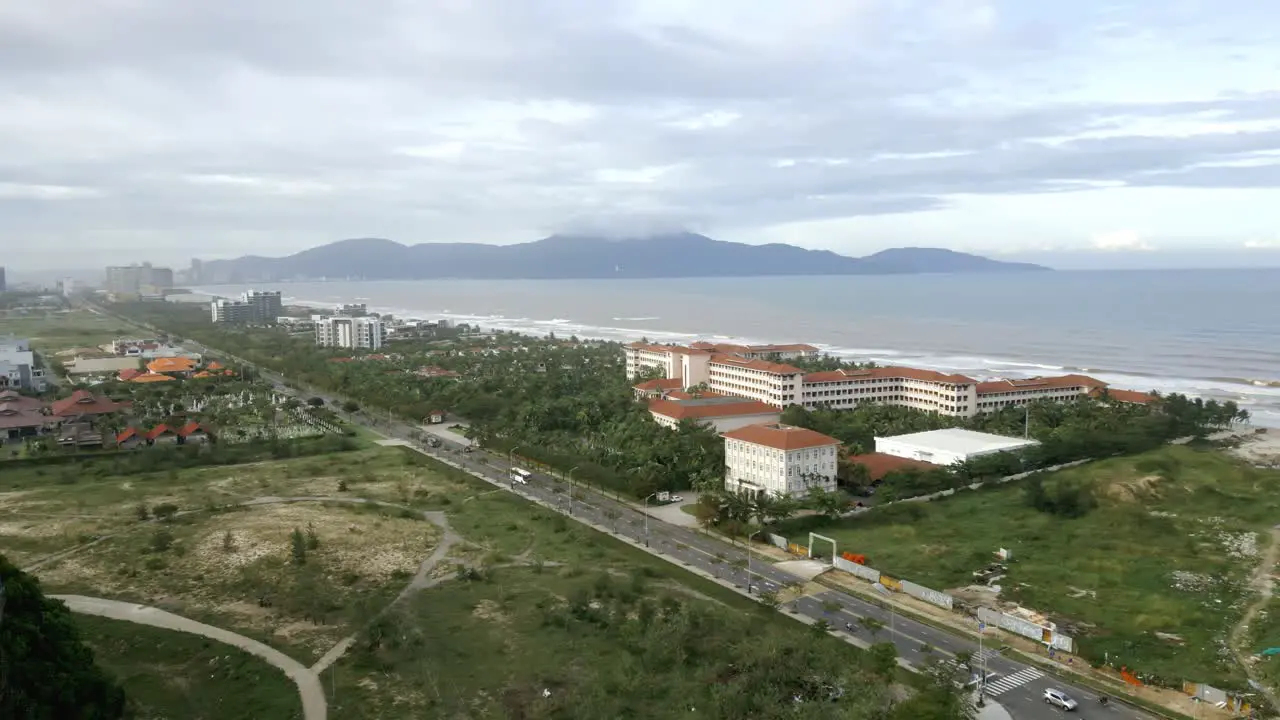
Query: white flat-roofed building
[[355, 333], [949, 446], [719, 412], [778, 459]]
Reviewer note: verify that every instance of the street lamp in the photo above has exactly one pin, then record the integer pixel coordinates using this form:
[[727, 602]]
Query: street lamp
[[646, 517], [749, 554], [511, 467], [569, 476]]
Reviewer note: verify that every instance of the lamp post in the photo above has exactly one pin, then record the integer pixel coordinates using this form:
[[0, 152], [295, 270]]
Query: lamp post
[[646, 517], [569, 475], [511, 467], [749, 554]]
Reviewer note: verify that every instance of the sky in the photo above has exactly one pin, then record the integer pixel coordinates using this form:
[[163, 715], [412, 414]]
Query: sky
[[1099, 133]]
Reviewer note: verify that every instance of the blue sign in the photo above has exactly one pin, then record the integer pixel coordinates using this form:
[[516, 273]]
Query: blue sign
[[981, 626]]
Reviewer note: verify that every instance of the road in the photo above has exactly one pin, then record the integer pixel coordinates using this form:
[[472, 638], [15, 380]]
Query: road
[[1018, 687], [309, 689]]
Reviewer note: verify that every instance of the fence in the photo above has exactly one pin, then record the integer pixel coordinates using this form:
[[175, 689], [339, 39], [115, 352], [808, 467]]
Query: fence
[[1027, 629], [862, 571], [940, 599], [1215, 697], [779, 541]]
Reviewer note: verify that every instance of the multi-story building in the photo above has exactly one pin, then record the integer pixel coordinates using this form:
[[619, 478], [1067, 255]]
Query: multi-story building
[[2, 280], [18, 366], [138, 279], [781, 385], [718, 412], [253, 308], [362, 333], [760, 352], [777, 459]]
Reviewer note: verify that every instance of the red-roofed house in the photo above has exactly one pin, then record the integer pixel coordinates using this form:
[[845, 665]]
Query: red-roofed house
[[656, 388], [194, 433], [1131, 397], [719, 412], [161, 435], [130, 438], [880, 464], [83, 403], [128, 374], [778, 459], [22, 416]]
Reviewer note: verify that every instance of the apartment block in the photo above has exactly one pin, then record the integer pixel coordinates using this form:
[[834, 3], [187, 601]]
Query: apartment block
[[356, 333], [253, 307], [775, 459]]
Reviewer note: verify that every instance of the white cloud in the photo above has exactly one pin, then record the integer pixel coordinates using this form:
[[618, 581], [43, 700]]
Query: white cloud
[[1120, 240], [1273, 244], [849, 124]]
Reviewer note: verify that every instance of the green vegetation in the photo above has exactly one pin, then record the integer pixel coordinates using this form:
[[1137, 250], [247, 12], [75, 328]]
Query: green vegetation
[[51, 331], [170, 675], [1125, 548], [602, 643], [48, 671], [562, 403]]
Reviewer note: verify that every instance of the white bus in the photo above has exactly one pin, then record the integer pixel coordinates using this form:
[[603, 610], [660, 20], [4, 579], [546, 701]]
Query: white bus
[[521, 476]]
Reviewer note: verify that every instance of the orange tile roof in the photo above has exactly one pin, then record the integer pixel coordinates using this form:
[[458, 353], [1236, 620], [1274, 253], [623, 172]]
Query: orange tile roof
[[1125, 396], [190, 427], [681, 411], [215, 365], [732, 348], [171, 364], [152, 378], [202, 374], [659, 385], [157, 431], [699, 395], [1039, 383], [764, 365], [879, 464], [128, 374], [128, 433], [780, 437], [888, 373]]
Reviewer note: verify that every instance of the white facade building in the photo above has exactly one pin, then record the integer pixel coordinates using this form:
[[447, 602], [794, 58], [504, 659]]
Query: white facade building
[[356, 333], [949, 446], [721, 413], [18, 366], [747, 375], [779, 460]]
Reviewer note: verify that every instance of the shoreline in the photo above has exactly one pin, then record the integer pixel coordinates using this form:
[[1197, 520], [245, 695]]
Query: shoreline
[[1261, 397]]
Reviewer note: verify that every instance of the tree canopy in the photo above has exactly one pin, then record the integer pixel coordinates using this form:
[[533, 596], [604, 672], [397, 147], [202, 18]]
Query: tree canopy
[[46, 672]]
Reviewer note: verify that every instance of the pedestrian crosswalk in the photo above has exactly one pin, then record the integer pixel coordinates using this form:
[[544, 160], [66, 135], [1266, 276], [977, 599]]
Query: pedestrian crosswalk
[[977, 661], [1016, 680]]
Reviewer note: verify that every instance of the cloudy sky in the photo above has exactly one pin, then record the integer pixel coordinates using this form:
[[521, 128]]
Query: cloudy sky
[[162, 130]]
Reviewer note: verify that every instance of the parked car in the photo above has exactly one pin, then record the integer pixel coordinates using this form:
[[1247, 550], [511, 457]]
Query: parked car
[[1059, 699], [675, 498]]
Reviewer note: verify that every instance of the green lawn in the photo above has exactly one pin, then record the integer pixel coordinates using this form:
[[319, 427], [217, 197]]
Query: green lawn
[[177, 676], [55, 331], [1109, 576]]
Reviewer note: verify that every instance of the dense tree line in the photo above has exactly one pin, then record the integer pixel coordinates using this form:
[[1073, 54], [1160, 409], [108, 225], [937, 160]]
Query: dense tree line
[[46, 671]]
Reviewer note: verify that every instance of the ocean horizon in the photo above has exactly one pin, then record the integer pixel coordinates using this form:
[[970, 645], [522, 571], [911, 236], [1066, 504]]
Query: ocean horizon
[[1207, 333]]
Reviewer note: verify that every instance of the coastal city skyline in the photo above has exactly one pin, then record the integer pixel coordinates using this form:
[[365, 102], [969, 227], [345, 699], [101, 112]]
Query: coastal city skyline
[[1103, 134]]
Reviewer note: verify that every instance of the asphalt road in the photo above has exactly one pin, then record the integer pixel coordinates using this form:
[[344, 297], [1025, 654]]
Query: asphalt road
[[1016, 686]]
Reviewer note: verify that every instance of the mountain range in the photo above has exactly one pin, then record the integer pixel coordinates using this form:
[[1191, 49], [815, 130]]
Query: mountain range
[[581, 257]]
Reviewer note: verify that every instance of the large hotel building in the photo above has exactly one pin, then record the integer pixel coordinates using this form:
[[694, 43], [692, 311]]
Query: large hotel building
[[760, 372]]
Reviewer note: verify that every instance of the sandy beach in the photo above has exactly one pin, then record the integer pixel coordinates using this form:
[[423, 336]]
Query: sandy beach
[[1261, 447]]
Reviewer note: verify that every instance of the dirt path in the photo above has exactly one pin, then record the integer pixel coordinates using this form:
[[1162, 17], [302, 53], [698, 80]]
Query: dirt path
[[307, 679], [1264, 585], [314, 706]]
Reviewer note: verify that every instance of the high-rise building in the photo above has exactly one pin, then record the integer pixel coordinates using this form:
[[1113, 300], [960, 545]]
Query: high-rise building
[[137, 279], [356, 333], [255, 307], [2, 285]]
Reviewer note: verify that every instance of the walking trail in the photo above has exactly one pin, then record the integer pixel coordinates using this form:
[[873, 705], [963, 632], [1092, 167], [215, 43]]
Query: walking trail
[[1263, 583], [314, 706]]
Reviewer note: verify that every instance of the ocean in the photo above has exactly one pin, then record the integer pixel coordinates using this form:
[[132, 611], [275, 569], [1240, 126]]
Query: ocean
[[1206, 333]]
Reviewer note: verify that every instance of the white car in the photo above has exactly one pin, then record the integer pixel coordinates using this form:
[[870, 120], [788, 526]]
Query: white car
[[675, 499], [1059, 699]]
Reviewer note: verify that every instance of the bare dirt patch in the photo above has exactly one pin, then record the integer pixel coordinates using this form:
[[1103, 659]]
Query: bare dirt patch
[[1134, 491], [237, 570]]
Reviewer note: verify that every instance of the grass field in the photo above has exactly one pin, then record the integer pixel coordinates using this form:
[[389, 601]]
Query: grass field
[[175, 676], [1168, 549], [55, 331]]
